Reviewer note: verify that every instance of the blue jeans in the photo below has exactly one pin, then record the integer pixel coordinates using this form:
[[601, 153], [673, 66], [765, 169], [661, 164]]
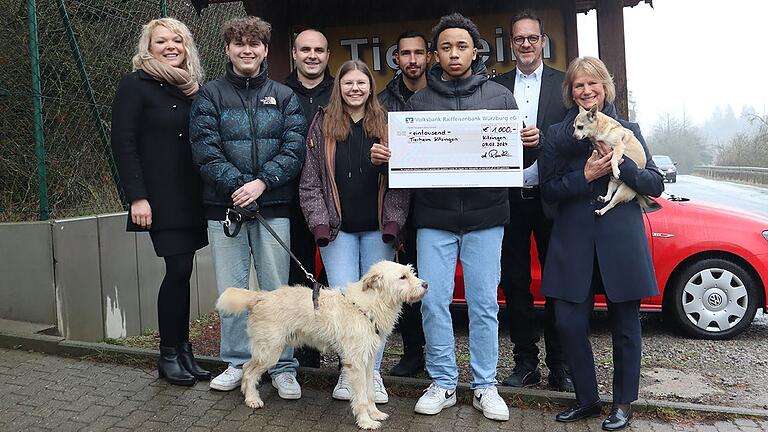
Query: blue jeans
[[480, 253], [232, 265], [349, 257]]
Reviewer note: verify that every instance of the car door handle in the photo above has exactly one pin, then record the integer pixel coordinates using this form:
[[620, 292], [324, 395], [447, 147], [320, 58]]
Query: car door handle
[[662, 235]]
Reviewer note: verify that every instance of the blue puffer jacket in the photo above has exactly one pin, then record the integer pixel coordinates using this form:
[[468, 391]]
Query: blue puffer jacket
[[242, 129]]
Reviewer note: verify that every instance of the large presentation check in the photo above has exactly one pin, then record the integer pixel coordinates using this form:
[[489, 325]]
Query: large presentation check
[[440, 149]]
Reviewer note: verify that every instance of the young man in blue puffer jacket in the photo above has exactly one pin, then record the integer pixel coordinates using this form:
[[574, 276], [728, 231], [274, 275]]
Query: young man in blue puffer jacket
[[247, 135]]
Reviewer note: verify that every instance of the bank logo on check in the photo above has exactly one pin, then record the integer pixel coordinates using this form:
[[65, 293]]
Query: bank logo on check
[[409, 120]]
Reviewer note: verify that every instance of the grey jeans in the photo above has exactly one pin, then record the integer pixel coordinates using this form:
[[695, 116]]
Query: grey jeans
[[232, 265]]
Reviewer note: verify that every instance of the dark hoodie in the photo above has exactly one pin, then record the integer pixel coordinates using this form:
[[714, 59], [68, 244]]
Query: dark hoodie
[[311, 99], [393, 98], [461, 209]]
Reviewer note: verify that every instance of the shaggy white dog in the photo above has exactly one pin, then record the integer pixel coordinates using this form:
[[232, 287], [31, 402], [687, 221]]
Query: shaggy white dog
[[354, 323]]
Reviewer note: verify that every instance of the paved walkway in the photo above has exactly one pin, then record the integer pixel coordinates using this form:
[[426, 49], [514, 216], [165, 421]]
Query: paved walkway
[[43, 392]]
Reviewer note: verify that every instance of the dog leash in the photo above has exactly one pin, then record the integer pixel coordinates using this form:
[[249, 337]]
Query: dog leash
[[236, 217]]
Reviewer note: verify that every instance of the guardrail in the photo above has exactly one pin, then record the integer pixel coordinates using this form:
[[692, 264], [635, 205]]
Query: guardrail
[[746, 174]]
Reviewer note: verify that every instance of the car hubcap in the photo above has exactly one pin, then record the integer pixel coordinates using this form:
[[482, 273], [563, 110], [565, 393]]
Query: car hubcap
[[715, 300]]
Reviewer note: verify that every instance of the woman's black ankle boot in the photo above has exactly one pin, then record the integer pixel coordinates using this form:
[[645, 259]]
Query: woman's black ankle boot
[[188, 362], [169, 367]]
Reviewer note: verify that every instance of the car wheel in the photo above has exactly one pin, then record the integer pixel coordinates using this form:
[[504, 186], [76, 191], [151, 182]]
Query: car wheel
[[714, 299], [673, 180]]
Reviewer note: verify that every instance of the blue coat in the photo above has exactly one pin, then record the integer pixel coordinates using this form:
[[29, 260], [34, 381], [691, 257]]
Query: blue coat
[[617, 239]]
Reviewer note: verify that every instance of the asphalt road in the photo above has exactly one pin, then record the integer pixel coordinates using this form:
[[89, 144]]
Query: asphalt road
[[741, 196]]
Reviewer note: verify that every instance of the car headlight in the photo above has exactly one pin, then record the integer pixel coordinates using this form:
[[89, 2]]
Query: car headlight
[[765, 234], [671, 170]]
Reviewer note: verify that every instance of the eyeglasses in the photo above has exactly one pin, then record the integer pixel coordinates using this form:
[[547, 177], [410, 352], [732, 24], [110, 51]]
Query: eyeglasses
[[532, 39], [351, 84]]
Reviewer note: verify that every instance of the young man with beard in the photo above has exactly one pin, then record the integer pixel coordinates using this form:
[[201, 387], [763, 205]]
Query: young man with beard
[[460, 222], [247, 134], [537, 89], [412, 58], [312, 82]]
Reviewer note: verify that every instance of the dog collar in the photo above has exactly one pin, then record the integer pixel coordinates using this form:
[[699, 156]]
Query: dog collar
[[365, 314]]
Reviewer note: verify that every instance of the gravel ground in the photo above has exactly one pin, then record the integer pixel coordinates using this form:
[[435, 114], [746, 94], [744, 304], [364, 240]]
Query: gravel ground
[[732, 372]]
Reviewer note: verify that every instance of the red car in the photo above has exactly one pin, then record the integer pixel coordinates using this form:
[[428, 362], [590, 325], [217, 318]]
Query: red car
[[711, 267]]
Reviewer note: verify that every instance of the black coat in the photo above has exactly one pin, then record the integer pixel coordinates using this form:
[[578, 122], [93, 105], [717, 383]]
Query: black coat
[[551, 109], [311, 102], [391, 98], [314, 98], [150, 143], [617, 239], [461, 209]]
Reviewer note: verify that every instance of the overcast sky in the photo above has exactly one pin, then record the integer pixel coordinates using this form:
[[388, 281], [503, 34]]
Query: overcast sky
[[691, 55]]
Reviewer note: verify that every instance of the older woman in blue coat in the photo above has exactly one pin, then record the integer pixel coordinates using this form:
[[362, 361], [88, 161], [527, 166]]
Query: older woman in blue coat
[[589, 253]]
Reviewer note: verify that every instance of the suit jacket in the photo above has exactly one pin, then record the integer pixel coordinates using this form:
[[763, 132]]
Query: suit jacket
[[617, 239], [551, 110]]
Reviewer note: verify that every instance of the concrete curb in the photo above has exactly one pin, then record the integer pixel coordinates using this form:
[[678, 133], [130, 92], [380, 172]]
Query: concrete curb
[[396, 385]]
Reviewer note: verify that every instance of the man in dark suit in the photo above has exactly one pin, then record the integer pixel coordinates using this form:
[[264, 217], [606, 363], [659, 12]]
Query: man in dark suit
[[537, 89]]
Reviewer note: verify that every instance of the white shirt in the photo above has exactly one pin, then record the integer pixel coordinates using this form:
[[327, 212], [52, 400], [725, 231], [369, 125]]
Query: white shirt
[[527, 90], [531, 175]]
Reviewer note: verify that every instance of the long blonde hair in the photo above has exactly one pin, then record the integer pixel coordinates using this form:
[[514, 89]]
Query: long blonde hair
[[336, 122], [191, 58]]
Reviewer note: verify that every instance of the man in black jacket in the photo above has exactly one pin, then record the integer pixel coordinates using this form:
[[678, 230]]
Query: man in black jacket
[[466, 222], [312, 83], [311, 80], [412, 58], [537, 89], [247, 134]]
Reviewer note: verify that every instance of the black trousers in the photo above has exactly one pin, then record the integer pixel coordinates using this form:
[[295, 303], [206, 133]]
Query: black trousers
[[526, 217], [572, 320], [410, 324], [303, 246], [173, 300]]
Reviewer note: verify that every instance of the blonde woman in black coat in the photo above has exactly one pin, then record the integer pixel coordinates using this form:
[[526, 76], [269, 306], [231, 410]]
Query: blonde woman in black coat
[[150, 142]]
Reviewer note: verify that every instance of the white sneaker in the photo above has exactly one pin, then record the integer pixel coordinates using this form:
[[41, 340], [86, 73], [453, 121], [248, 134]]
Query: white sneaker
[[228, 380], [287, 386], [434, 399], [342, 391], [491, 404], [380, 395]]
